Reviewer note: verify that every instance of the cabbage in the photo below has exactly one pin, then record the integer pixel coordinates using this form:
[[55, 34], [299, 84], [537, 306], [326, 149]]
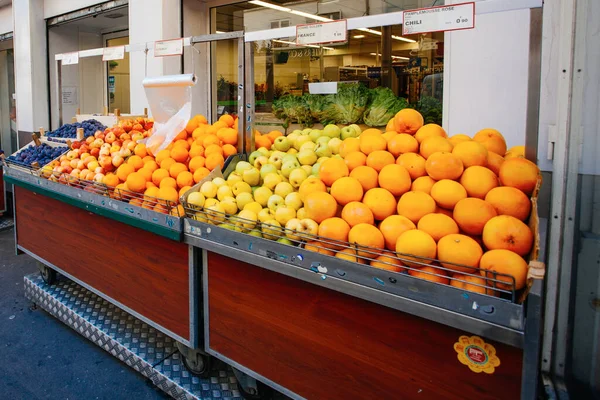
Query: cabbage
[[383, 106], [292, 109], [316, 103], [347, 106]]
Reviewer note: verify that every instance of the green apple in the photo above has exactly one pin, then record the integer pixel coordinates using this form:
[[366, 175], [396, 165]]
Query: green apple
[[297, 229], [265, 214], [209, 190], [337, 156], [292, 151], [296, 132], [265, 151], [308, 146], [316, 169], [322, 150], [293, 200], [241, 187], [288, 167], [283, 189], [276, 159], [297, 176], [243, 199], [289, 157], [224, 191], [306, 131], [229, 205], [233, 178], [301, 213], [246, 220], [271, 180], [300, 141], [251, 176], [275, 201], [219, 182], [255, 233], [284, 213], [293, 136], [321, 160], [253, 206], [315, 134], [334, 145], [267, 169], [282, 143], [331, 130], [323, 139], [227, 225], [243, 166], [307, 157], [260, 161], [210, 202], [254, 155], [307, 168], [284, 240], [216, 214], [196, 199], [262, 194], [356, 129], [271, 229]]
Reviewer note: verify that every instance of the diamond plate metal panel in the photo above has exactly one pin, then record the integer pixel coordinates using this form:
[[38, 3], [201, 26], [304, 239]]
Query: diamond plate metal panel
[[132, 341]]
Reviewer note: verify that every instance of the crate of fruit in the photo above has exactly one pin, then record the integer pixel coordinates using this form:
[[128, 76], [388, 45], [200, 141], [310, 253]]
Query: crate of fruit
[[37, 154]]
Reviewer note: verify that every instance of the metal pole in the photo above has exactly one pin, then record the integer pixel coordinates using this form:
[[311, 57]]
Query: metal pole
[[249, 145], [534, 81], [59, 92], [241, 93]]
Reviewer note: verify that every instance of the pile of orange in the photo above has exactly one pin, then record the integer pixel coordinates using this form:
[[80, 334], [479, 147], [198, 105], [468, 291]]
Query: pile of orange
[[265, 140], [158, 181]]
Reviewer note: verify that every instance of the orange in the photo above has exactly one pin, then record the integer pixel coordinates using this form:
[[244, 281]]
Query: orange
[[492, 140], [440, 210], [178, 211], [433, 144], [346, 190], [161, 155], [166, 163], [394, 226], [229, 150], [430, 130], [200, 174], [381, 203], [179, 154], [447, 193], [371, 143], [519, 173], [415, 205], [355, 159], [367, 177], [274, 135], [136, 202], [416, 243], [456, 139], [414, 164], [515, 151], [176, 169], [140, 150], [459, 253], [437, 225], [379, 159], [168, 181], [444, 165], [350, 255], [478, 181], [471, 153], [146, 173], [388, 135], [150, 184], [368, 238], [471, 284], [191, 125], [136, 182], [195, 163], [151, 165], [390, 125], [402, 143], [408, 121], [136, 162], [508, 233], [263, 141], [213, 148], [494, 162], [148, 158], [334, 230], [180, 143], [219, 124], [422, 184], [159, 175], [509, 201], [182, 135], [160, 208], [210, 139], [185, 178], [348, 146], [213, 161], [198, 131], [332, 170], [318, 247], [150, 194], [504, 262], [395, 178], [387, 262], [196, 150], [472, 214], [183, 190], [319, 206], [355, 213], [311, 184], [124, 170], [110, 180], [371, 132], [168, 193], [227, 119], [432, 274]]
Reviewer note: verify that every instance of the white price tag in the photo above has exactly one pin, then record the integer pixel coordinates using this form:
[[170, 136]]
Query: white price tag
[[322, 32], [439, 19], [172, 47], [113, 53], [70, 58]]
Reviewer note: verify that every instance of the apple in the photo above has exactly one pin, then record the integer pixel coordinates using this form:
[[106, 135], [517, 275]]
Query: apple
[[321, 160], [255, 233], [196, 199], [275, 201], [73, 163], [300, 141], [348, 132], [71, 155], [334, 145], [271, 180], [227, 225], [322, 150], [253, 156], [114, 149], [282, 143], [241, 187], [89, 139], [297, 229], [267, 169], [293, 200], [306, 131], [261, 195], [251, 176], [92, 165], [292, 151], [234, 178], [243, 166], [315, 169], [137, 137], [323, 140], [307, 157], [253, 206], [81, 165], [229, 205], [301, 213], [104, 152], [293, 136], [98, 178], [216, 214], [284, 214], [211, 202], [276, 159], [307, 168], [315, 134], [264, 151], [331, 130], [209, 190], [246, 220], [260, 162], [289, 157], [265, 215], [284, 240], [99, 170], [271, 229], [288, 167], [131, 146], [224, 191], [283, 189], [243, 199], [297, 176], [306, 146], [219, 182]]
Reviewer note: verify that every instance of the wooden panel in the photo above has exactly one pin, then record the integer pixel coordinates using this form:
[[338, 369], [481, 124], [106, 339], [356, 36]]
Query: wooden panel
[[143, 271], [322, 344]]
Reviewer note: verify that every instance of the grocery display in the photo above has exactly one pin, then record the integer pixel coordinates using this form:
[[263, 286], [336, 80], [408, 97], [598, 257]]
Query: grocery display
[[42, 155], [69, 131]]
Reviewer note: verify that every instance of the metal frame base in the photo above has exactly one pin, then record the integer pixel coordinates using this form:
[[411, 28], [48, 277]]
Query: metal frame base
[[125, 337]]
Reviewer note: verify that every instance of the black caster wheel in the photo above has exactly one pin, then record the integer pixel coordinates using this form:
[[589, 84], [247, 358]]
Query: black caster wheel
[[48, 274], [261, 392], [198, 365]]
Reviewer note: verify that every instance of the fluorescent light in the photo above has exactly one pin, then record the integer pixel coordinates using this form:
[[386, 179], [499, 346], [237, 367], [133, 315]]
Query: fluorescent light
[[219, 32], [269, 5], [311, 16], [302, 45], [395, 57], [370, 31], [358, 36], [403, 39]]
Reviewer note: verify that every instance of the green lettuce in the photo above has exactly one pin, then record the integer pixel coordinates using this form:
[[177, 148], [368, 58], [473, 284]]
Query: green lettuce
[[292, 109], [383, 106], [347, 106]]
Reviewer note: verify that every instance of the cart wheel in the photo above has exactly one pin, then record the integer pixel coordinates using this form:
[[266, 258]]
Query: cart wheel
[[48, 274], [199, 365], [261, 392]]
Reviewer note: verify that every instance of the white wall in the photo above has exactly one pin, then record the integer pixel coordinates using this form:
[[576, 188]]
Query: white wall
[[52, 8], [6, 19], [485, 76]]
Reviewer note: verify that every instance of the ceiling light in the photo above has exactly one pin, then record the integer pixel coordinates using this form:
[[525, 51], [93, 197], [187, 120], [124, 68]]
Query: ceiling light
[[370, 31], [300, 45], [311, 16], [219, 32], [358, 36], [403, 39], [269, 5]]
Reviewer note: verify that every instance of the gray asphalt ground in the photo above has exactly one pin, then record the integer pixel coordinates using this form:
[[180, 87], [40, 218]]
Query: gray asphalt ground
[[41, 358]]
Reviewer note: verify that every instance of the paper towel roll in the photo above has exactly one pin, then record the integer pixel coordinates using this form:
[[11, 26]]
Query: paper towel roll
[[170, 81]]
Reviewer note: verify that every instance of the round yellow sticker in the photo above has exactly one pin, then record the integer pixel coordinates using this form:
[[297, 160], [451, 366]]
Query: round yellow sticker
[[476, 354]]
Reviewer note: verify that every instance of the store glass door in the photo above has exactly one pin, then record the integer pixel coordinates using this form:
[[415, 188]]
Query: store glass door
[[118, 79]]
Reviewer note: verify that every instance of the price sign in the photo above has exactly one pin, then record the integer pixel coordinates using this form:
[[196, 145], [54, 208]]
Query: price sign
[[70, 58], [165, 48], [322, 32], [113, 53], [439, 19]]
